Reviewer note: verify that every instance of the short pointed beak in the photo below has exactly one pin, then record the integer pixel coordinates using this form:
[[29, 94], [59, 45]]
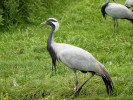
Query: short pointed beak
[[43, 23]]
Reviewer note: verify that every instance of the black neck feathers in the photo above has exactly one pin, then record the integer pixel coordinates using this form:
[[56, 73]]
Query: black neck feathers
[[50, 48], [103, 8]]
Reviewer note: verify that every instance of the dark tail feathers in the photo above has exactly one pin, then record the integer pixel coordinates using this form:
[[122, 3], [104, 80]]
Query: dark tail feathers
[[131, 20], [109, 84], [107, 80]]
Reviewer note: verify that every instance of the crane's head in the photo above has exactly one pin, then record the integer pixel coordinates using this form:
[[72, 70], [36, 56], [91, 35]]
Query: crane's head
[[52, 22]]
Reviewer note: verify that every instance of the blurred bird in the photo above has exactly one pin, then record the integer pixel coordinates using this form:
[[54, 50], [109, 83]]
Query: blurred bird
[[76, 59], [129, 3], [117, 11]]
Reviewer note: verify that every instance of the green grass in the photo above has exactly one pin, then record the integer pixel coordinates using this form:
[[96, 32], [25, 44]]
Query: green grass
[[24, 57]]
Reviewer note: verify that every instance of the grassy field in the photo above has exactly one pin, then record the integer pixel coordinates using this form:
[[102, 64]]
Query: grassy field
[[26, 63]]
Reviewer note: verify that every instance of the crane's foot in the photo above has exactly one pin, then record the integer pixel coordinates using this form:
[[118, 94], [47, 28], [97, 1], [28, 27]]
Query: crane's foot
[[77, 92]]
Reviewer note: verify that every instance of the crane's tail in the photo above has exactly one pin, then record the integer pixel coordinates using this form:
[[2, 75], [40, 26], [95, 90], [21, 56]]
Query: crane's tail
[[131, 20], [109, 85], [107, 80]]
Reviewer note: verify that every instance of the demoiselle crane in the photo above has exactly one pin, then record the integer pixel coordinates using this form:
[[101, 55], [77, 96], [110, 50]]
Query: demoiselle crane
[[117, 11], [76, 59], [129, 3]]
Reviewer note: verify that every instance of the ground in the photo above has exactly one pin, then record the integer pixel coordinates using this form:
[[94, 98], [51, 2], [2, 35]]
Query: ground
[[25, 64]]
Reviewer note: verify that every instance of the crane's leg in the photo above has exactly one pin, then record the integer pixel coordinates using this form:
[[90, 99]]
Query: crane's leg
[[114, 25], [84, 84], [55, 69], [52, 66], [76, 81], [117, 26]]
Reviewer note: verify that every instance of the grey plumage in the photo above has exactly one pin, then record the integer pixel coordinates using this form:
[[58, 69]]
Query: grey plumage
[[77, 59], [117, 11]]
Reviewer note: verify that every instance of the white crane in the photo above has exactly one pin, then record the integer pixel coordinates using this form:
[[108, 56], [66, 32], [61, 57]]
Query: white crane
[[117, 11], [76, 59], [129, 3]]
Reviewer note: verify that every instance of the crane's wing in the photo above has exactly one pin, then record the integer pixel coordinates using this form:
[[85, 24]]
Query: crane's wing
[[75, 57]]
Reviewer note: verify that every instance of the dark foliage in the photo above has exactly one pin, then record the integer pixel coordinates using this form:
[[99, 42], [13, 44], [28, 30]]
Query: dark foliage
[[18, 11]]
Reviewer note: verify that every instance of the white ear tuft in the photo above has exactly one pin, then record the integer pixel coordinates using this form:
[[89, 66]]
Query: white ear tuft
[[56, 25]]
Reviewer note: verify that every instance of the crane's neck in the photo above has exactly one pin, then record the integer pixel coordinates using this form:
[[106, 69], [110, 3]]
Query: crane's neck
[[50, 37], [107, 2], [103, 7]]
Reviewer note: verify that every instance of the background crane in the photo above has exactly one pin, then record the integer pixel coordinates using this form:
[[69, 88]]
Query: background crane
[[117, 11], [76, 59], [129, 3]]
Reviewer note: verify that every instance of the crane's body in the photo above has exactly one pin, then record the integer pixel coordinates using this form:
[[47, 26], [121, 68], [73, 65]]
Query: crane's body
[[129, 3], [117, 11], [76, 58]]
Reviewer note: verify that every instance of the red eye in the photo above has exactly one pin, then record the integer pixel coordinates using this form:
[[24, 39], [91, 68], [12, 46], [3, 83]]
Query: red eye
[[49, 21]]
